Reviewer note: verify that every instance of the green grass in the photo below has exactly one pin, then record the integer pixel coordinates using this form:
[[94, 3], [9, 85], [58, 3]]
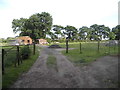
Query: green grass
[[3, 44], [51, 61], [89, 52], [10, 56], [12, 73]]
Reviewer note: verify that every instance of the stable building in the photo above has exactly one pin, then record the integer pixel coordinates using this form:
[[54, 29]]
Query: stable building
[[25, 40], [42, 41]]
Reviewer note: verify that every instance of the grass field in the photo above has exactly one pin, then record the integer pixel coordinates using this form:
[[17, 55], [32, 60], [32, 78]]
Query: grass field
[[12, 73], [10, 55], [89, 52]]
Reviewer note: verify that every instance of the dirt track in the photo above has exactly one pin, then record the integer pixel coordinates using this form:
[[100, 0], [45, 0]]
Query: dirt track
[[103, 73]]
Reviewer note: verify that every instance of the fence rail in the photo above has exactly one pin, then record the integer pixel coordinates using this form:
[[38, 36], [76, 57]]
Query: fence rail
[[13, 52]]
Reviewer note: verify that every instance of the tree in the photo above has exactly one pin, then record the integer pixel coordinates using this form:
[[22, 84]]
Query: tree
[[18, 24], [105, 31], [71, 32], [116, 31], [58, 30], [95, 32], [36, 26], [99, 31], [84, 33], [111, 36], [52, 35]]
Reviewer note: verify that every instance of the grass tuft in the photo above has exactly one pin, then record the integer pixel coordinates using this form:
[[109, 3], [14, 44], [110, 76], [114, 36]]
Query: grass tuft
[[51, 62]]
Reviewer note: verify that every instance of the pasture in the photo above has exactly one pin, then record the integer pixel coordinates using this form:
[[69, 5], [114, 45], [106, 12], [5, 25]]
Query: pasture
[[89, 51]]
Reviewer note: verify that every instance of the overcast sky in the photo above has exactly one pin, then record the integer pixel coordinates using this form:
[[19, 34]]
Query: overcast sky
[[77, 13]]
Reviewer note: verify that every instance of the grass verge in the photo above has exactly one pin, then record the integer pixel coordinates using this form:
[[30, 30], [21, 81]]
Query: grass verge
[[12, 73]]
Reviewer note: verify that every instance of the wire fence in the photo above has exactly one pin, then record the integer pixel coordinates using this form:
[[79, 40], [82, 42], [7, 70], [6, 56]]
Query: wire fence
[[106, 47], [12, 56], [98, 47]]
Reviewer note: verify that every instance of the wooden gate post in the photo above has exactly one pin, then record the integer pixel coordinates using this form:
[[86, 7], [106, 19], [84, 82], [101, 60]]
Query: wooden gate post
[[3, 69]]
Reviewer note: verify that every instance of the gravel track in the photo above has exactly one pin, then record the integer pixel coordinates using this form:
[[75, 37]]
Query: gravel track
[[103, 73]]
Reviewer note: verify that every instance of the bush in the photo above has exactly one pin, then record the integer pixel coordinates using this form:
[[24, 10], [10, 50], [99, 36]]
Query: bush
[[25, 52], [48, 40]]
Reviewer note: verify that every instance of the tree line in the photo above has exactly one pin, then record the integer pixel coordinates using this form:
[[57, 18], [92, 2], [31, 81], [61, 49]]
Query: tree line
[[40, 25]]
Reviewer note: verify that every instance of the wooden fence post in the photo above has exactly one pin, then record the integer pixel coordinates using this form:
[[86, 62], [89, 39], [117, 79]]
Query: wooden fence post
[[114, 47], [80, 48], [34, 48], [18, 58], [98, 46], [109, 47], [66, 45], [28, 46], [3, 69]]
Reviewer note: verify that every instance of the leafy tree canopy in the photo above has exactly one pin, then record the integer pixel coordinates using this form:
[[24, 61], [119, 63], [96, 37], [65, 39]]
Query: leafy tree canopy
[[36, 26], [116, 31], [71, 32]]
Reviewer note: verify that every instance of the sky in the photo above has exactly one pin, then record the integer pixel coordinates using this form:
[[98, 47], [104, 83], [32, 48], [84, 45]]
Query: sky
[[76, 13]]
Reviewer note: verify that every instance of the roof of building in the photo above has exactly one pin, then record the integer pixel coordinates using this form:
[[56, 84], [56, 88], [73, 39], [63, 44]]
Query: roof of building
[[42, 39], [23, 37]]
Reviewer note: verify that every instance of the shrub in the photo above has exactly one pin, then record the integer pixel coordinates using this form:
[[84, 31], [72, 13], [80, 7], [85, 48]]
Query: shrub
[[48, 40], [25, 52]]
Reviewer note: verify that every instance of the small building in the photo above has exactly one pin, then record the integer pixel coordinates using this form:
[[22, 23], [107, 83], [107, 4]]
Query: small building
[[42, 41], [24, 40]]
